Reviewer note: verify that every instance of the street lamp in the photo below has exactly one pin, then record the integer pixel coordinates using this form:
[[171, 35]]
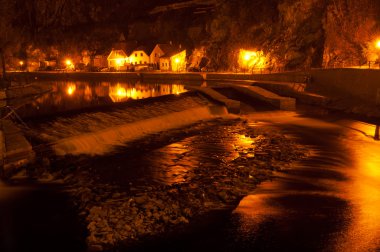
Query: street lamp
[[377, 44], [247, 57], [21, 63], [68, 62]]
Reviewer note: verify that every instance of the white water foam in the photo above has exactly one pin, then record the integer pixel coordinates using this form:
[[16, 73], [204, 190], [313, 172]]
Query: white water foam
[[101, 142]]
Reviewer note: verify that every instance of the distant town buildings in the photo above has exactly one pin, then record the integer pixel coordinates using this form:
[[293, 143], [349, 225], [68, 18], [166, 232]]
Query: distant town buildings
[[124, 56], [163, 57]]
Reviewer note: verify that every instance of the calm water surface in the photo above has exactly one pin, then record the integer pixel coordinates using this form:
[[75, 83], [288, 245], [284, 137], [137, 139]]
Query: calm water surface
[[69, 96]]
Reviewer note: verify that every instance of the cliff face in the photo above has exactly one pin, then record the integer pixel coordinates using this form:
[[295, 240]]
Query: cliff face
[[297, 34], [351, 30], [292, 34]]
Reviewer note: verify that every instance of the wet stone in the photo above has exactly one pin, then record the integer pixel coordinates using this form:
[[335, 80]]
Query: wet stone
[[228, 158]]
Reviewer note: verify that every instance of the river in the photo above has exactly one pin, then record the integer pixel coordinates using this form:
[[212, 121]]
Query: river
[[327, 202]]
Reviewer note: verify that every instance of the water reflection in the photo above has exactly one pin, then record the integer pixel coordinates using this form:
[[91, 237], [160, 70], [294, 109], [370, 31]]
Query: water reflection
[[66, 96], [362, 232], [71, 89], [329, 202], [214, 147]]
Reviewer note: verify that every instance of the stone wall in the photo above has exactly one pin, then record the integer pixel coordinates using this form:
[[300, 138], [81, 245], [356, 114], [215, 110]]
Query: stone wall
[[363, 84]]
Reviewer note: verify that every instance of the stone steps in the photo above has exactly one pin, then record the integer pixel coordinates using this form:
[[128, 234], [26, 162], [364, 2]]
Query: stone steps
[[232, 106], [296, 90], [16, 151], [280, 102]]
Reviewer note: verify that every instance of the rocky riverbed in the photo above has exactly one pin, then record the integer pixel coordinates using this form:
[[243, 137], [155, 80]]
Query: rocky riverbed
[[208, 166]]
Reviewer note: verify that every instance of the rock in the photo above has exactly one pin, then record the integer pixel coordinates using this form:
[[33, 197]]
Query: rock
[[95, 248], [116, 195], [141, 200], [223, 196], [127, 228]]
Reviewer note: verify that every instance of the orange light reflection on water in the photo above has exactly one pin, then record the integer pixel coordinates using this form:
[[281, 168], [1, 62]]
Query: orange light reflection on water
[[81, 93], [71, 89], [362, 190], [361, 233]]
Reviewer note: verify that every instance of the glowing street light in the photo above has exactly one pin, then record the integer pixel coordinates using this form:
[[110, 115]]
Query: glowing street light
[[21, 63], [68, 62], [251, 59], [378, 44], [247, 57]]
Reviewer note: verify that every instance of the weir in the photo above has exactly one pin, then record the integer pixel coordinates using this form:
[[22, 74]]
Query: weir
[[103, 141]]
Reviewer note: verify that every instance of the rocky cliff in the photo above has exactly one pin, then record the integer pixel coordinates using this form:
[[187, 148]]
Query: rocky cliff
[[292, 34]]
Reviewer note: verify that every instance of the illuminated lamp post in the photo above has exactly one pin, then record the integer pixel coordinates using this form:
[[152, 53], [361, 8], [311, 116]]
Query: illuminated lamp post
[[21, 63], [69, 64], [377, 45], [377, 133]]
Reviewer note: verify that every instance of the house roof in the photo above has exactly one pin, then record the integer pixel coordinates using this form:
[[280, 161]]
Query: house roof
[[169, 50], [172, 53], [147, 49], [117, 54], [126, 46], [122, 38]]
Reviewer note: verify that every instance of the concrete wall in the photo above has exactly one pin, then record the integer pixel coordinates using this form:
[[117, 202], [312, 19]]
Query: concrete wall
[[298, 77], [172, 76], [362, 84], [33, 76], [294, 77]]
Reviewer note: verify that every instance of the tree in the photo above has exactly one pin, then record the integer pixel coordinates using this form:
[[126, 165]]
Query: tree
[[6, 32]]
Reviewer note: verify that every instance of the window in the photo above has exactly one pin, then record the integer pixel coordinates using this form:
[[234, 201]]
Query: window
[[163, 64], [155, 55], [141, 54], [135, 54], [144, 62], [140, 62]]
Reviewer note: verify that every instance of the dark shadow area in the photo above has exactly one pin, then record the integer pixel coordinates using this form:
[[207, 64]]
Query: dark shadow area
[[38, 217]]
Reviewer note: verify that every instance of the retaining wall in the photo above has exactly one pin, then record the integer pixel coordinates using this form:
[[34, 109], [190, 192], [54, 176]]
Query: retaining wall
[[298, 77], [363, 84]]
